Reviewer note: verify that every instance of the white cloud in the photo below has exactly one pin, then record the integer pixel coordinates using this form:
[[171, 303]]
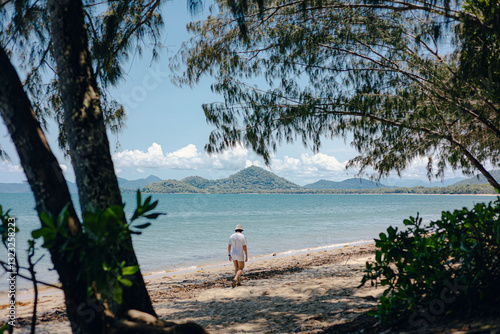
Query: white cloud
[[8, 167], [14, 173], [310, 168], [186, 158], [152, 158], [322, 162], [417, 169], [306, 168]]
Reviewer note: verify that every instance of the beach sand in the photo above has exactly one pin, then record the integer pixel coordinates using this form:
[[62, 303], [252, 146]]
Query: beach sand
[[305, 293]]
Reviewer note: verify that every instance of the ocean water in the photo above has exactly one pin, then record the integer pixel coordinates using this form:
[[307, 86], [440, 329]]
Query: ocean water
[[196, 227]]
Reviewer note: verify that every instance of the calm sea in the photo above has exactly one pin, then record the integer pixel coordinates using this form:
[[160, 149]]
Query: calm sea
[[196, 227]]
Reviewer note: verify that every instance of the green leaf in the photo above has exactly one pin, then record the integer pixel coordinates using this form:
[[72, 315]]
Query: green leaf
[[130, 270], [47, 220], [154, 215], [41, 232], [92, 224], [106, 267], [142, 226], [408, 221], [125, 282], [138, 196], [117, 293], [62, 218]]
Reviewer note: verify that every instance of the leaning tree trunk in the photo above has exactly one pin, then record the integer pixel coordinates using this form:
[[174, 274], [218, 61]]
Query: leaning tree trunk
[[88, 142], [49, 188]]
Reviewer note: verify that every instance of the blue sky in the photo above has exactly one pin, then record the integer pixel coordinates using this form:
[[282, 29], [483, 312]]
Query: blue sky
[[165, 131]]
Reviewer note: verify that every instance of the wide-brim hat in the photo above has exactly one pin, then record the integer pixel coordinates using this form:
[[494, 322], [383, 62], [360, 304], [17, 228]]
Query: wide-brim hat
[[238, 228]]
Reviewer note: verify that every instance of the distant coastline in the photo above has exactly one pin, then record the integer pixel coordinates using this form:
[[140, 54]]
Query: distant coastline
[[259, 181], [479, 191], [256, 180]]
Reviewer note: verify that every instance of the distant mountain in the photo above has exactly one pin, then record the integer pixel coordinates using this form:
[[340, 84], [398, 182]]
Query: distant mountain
[[24, 187], [254, 178], [258, 180], [123, 183], [353, 183], [420, 183], [251, 179], [479, 179], [171, 187], [15, 188], [199, 182], [137, 184]]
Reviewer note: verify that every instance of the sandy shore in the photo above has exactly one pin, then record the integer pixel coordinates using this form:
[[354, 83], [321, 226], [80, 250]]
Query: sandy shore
[[304, 293]]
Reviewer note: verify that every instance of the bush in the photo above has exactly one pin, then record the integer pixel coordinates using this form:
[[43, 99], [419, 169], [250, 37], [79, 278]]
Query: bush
[[431, 270], [104, 232]]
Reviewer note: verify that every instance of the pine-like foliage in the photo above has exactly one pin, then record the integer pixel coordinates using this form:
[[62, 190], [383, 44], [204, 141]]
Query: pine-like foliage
[[399, 76], [117, 30]]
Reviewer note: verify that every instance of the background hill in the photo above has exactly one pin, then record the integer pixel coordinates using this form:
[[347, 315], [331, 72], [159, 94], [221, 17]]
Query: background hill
[[353, 183], [137, 184], [24, 187], [396, 182], [14, 188], [479, 179], [171, 187], [251, 179], [254, 178], [257, 180], [199, 182]]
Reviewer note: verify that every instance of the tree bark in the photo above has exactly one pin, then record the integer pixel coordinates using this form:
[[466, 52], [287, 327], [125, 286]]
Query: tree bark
[[88, 142], [49, 188]]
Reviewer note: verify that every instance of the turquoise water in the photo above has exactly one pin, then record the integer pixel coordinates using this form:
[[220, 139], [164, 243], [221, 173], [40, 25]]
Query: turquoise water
[[196, 227]]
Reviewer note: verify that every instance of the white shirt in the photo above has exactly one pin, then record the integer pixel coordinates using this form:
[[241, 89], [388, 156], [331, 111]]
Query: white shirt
[[237, 241]]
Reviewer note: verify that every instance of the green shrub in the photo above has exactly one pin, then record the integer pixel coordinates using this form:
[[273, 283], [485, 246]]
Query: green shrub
[[104, 233], [429, 270]]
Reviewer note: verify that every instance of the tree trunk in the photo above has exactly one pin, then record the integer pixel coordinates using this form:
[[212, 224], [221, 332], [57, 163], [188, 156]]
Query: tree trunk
[[89, 146], [49, 188], [480, 167]]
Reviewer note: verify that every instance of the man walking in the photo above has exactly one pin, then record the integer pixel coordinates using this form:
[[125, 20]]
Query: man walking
[[237, 251]]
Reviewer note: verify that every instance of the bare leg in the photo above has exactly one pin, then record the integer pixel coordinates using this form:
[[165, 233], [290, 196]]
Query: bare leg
[[238, 265], [235, 272]]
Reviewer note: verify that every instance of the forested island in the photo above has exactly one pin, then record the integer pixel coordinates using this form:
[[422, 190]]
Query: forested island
[[257, 180]]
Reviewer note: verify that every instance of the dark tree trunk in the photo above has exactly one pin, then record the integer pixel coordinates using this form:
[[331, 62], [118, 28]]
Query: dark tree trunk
[[491, 180], [88, 142], [89, 146], [49, 188]]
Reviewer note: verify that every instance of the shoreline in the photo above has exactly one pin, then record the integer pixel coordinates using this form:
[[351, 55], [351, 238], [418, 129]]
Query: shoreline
[[256, 258], [27, 292], [309, 272], [329, 193]]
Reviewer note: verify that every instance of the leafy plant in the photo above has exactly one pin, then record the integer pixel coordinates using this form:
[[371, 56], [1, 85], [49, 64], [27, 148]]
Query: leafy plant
[[103, 235], [7, 229], [428, 269]]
